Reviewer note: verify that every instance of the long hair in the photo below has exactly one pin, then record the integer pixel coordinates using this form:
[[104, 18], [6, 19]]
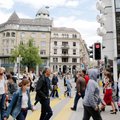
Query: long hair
[[24, 82]]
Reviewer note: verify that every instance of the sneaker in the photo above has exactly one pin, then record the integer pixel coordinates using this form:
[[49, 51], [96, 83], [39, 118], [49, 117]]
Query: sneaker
[[73, 109]]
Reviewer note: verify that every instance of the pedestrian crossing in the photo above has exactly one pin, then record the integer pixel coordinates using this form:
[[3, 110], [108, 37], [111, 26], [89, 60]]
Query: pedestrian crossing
[[61, 108], [54, 102]]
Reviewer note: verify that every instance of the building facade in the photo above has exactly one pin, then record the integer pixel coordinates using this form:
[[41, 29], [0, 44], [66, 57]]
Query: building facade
[[106, 29], [67, 52], [17, 30], [60, 48]]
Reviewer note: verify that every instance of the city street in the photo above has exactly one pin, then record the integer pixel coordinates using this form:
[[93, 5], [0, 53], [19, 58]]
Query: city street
[[61, 108]]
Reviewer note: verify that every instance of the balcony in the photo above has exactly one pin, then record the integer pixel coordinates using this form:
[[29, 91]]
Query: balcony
[[101, 31], [100, 19], [65, 55], [65, 47], [100, 6]]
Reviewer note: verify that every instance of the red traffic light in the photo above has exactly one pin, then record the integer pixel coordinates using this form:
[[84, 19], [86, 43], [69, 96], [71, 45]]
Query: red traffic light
[[97, 51], [97, 45]]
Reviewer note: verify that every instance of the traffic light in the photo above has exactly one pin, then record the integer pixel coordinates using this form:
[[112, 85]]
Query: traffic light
[[97, 51], [91, 51]]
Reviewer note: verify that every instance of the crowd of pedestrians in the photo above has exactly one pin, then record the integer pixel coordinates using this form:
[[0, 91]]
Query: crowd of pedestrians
[[15, 94]]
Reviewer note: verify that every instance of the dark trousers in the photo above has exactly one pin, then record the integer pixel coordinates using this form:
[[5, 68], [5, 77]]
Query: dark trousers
[[90, 112], [46, 111], [2, 106], [77, 97], [22, 115]]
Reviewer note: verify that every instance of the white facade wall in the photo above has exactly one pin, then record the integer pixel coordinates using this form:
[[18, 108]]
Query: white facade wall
[[59, 38], [107, 23]]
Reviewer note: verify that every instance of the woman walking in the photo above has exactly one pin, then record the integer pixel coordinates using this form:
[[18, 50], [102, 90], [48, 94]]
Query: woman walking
[[3, 91], [108, 93], [20, 103]]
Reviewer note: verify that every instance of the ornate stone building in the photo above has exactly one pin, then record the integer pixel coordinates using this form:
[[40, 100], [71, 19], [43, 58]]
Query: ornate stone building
[[60, 48], [68, 52], [17, 30]]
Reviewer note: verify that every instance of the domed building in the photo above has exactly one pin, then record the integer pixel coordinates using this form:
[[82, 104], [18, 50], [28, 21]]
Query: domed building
[[43, 13], [19, 30], [59, 47]]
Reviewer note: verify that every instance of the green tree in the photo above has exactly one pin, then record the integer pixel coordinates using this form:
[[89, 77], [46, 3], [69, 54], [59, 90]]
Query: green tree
[[29, 53]]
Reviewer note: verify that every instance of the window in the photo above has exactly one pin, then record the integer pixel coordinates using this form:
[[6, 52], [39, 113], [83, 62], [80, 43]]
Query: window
[[64, 59], [74, 36], [74, 43], [22, 34], [55, 34], [74, 60], [55, 43], [3, 42], [7, 34], [43, 52], [33, 35], [64, 51], [13, 34], [55, 51], [64, 43], [7, 42], [55, 59], [3, 34], [74, 52], [43, 35], [12, 42], [11, 50], [43, 43], [7, 51]]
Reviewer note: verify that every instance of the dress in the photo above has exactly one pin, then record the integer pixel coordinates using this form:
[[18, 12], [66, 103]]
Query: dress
[[108, 94]]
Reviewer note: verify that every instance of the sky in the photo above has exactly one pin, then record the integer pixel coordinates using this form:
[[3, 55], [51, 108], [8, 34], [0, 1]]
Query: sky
[[77, 14]]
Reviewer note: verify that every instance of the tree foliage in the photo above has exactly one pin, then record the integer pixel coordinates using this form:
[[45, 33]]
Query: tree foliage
[[29, 54]]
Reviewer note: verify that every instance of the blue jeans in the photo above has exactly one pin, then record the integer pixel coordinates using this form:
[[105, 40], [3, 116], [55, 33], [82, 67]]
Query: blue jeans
[[2, 106], [22, 115], [46, 111]]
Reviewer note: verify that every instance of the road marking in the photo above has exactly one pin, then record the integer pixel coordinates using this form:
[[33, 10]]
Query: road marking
[[65, 113], [36, 114]]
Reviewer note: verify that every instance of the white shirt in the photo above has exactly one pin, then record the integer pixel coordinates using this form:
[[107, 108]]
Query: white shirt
[[2, 87], [24, 100]]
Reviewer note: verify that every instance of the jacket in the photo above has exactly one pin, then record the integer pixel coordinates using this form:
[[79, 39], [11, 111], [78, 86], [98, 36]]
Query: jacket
[[42, 88], [92, 93], [80, 84], [15, 105]]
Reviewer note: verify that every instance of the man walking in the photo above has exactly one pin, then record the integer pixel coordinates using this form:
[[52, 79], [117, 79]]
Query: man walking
[[80, 86], [92, 98], [42, 89]]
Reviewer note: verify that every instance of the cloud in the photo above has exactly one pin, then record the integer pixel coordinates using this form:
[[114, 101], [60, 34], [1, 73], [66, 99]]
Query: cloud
[[86, 28], [7, 4], [22, 15], [51, 3], [72, 3], [5, 15]]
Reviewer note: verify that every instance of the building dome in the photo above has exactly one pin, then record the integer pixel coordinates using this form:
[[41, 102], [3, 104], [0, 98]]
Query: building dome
[[42, 13]]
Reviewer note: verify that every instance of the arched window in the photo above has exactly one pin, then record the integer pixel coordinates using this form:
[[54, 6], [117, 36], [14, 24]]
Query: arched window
[[3, 34], [7, 34], [13, 34]]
